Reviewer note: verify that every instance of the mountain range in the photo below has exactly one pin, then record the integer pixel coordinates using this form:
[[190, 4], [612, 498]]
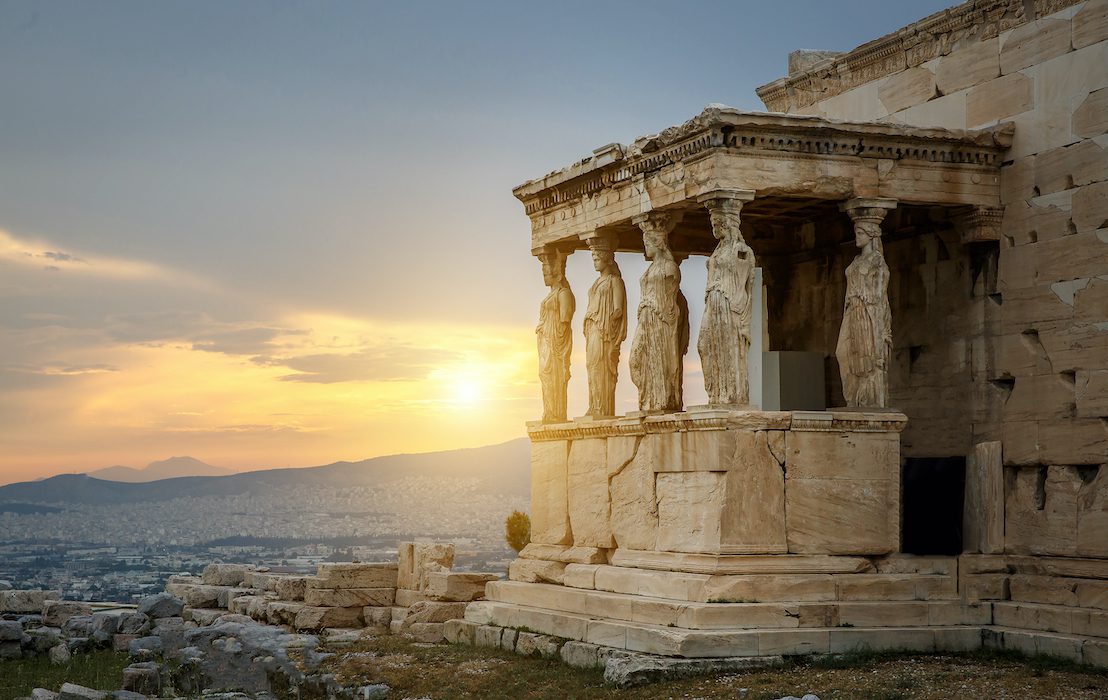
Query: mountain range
[[162, 469], [503, 469]]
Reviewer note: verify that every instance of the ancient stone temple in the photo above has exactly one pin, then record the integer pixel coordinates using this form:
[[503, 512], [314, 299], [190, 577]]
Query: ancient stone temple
[[910, 250]]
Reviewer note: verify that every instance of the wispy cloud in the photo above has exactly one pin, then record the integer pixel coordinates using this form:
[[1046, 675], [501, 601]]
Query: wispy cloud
[[33, 253]]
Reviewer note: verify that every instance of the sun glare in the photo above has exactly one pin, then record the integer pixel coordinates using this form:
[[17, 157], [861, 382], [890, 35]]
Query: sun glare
[[467, 390]]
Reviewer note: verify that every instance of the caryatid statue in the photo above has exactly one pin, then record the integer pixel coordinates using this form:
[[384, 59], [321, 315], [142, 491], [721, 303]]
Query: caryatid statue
[[656, 348], [724, 341], [605, 326], [865, 337], [555, 339]]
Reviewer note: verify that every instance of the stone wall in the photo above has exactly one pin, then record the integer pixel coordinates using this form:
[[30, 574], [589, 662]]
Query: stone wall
[[1039, 373]]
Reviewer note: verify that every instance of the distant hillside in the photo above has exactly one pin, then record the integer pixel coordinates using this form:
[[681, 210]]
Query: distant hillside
[[164, 469], [503, 468]]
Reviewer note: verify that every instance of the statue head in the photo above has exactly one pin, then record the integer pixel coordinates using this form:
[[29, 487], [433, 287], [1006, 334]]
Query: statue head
[[865, 232], [553, 267], [603, 252], [655, 243]]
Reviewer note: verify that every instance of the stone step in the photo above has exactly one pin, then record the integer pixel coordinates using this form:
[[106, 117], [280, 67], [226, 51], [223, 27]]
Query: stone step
[[694, 615], [762, 588], [1057, 590], [669, 641], [1063, 619], [1073, 647]]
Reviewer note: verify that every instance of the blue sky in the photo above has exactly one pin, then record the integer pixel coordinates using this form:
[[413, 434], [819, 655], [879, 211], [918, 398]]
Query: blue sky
[[256, 164]]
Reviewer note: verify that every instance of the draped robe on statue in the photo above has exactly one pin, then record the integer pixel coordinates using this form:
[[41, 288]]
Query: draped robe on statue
[[555, 342], [865, 338], [655, 351], [724, 340], [605, 327]]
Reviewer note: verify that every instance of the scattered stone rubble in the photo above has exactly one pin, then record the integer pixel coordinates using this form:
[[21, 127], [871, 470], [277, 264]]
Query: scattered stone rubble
[[241, 629]]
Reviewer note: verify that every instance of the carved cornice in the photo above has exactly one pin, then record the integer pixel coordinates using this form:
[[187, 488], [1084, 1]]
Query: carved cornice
[[979, 224], [760, 135], [931, 37], [721, 419]]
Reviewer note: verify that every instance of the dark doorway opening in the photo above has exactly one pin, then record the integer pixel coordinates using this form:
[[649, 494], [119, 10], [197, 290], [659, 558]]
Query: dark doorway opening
[[932, 489]]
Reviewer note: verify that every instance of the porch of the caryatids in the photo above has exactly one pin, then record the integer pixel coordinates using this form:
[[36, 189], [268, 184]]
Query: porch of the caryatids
[[605, 326], [554, 336], [724, 340], [656, 348], [865, 337]]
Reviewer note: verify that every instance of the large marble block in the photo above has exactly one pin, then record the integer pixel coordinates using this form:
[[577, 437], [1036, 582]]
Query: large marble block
[[588, 498], [549, 493]]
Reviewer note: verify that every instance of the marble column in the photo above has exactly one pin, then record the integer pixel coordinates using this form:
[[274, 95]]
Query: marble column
[[656, 347], [724, 341], [555, 339], [605, 326], [865, 337]]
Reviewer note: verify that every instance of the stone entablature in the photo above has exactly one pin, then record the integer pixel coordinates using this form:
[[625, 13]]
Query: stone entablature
[[776, 156], [929, 38]]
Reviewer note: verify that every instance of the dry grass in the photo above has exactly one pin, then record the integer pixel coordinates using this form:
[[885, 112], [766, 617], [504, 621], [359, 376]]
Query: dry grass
[[450, 671], [102, 670]]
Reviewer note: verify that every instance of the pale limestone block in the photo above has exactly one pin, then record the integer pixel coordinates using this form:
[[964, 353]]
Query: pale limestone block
[[562, 553], [972, 65], [841, 516], [588, 498], [634, 515], [1062, 168], [1066, 80], [225, 574], [1095, 653], [1024, 223], [906, 89], [1092, 594], [946, 112], [843, 641], [55, 613], [1090, 24], [690, 506], [291, 587], [536, 571], [1033, 616], [580, 575], [958, 640], [810, 587], [1043, 589], [405, 567], [1073, 441], [695, 450], [281, 612], [737, 615], [349, 597], [884, 614], [999, 98], [879, 587], [862, 103], [479, 612], [26, 601], [956, 612], [486, 636], [658, 584], [1090, 210], [375, 575], [1033, 43], [916, 564], [1041, 513], [753, 517], [431, 557], [316, 618], [1017, 180], [790, 642], [1092, 516], [457, 586], [580, 655], [608, 634], [460, 632], [1091, 116], [841, 455], [549, 493], [1090, 306], [775, 439], [431, 611], [983, 515], [1090, 623], [405, 597]]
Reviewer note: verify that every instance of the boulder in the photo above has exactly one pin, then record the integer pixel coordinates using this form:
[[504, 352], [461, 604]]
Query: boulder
[[42, 638], [316, 618], [11, 650], [10, 631], [432, 611], [56, 612], [197, 595], [144, 677], [77, 626], [161, 605], [26, 601], [72, 691], [456, 585], [291, 587], [134, 623], [144, 647], [122, 642], [102, 626], [43, 694], [225, 574], [226, 595], [377, 575], [426, 632], [59, 654]]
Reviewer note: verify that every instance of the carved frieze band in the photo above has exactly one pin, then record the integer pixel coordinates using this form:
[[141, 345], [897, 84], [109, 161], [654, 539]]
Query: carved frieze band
[[801, 421]]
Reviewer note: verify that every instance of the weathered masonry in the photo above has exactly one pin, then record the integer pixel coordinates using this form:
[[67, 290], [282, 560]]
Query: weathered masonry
[[904, 347]]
